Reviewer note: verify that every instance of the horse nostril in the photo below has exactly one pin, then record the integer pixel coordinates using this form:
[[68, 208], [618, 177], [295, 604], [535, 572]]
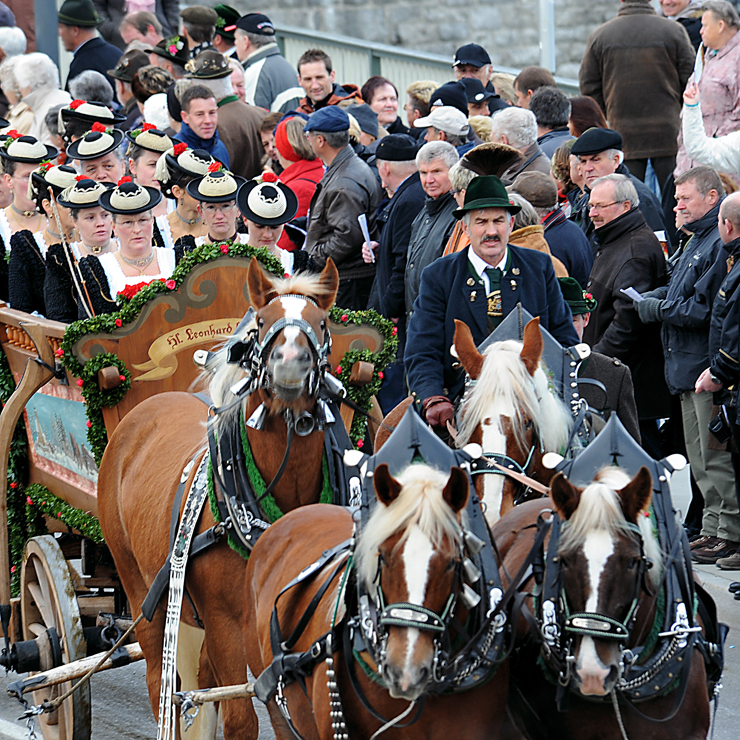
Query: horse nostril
[[304, 356], [423, 675]]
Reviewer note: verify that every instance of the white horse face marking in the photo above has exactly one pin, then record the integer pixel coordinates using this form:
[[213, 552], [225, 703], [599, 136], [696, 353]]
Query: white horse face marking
[[290, 360], [493, 440]]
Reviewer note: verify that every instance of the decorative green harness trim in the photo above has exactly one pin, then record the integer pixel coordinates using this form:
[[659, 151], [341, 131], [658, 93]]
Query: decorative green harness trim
[[268, 504]]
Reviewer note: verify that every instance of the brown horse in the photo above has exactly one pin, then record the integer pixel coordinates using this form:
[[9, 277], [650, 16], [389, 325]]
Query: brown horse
[[510, 412], [145, 459], [603, 550], [410, 550]]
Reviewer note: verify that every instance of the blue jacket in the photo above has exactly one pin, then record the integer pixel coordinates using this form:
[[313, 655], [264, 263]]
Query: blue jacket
[[687, 307], [568, 243], [215, 147], [448, 292]]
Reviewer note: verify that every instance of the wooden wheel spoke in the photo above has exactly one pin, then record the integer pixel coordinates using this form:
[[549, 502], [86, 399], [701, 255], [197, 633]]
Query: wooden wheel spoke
[[36, 628], [43, 606]]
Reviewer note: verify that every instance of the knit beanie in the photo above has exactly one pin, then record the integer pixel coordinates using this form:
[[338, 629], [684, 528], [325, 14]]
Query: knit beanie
[[282, 143]]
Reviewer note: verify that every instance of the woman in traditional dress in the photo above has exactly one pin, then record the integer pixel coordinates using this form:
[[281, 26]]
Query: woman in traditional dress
[[216, 196], [266, 206], [20, 156], [137, 259], [77, 119], [63, 284], [98, 154], [27, 267], [175, 169]]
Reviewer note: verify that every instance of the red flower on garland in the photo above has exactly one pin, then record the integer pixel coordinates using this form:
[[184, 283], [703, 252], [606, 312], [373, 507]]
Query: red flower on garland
[[14, 485], [214, 167], [343, 317], [79, 382], [171, 284], [119, 322], [131, 290], [99, 127], [59, 352], [89, 424], [29, 501], [224, 248], [148, 127], [125, 179], [44, 167], [394, 331], [12, 568], [268, 176], [59, 514], [179, 148], [122, 378], [75, 104], [380, 375], [360, 443], [339, 369]]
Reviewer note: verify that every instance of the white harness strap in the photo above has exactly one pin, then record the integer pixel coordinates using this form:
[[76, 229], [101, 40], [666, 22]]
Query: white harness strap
[[179, 559]]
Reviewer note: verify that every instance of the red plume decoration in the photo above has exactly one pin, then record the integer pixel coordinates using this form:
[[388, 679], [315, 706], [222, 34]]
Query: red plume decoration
[[268, 176], [75, 104]]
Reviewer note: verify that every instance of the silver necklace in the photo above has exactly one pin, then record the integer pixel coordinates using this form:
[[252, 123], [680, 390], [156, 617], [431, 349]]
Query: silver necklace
[[188, 221], [140, 263], [25, 214]]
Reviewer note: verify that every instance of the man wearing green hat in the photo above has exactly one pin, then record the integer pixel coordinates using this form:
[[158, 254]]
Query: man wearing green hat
[[479, 285], [605, 382], [78, 24]]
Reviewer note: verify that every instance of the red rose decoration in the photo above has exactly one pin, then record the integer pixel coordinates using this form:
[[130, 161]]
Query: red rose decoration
[[394, 331], [12, 568], [59, 353], [343, 317], [268, 176], [360, 443], [286, 275], [179, 148], [14, 485], [13, 134], [99, 127], [79, 382], [224, 248], [75, 104], [380, 375], [59, 514], [119, 322], [214, 166], [125, 178], [171, 284], [148, 127], [122, 378], [89, 424], [339, 369]]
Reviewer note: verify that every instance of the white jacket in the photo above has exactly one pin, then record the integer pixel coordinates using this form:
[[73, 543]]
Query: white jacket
[[722, 153]]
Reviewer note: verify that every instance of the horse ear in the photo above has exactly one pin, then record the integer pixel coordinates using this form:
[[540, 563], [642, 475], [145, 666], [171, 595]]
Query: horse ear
[[456, 490], [532, 349], [330, 284], [471, 359], [636, 494], [261, 289], [387, 487], [565, 495]]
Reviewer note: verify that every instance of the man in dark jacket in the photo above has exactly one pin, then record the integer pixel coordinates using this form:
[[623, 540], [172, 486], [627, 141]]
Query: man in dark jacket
[[316, 76], [684, 307], [347, 190], [112, 12], [434, 223], [77, 23], [551, 108], [638, 45], [599, 150], [479, 285], [396, 158], [473, 61], [629, 256]]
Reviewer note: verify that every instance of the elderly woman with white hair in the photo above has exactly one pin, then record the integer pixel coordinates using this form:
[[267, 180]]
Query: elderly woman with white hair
[[38, 82], [517, 127], [20, 115]]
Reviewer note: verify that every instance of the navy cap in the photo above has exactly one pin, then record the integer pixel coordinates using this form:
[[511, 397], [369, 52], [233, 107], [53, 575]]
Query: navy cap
[[366, 117], [397, 148], [597, 140], [256, 23], [329, 119], [471, 54], [475, 91], [451, 93]]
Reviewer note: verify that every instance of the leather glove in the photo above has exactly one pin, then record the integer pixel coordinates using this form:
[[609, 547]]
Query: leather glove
[[649, 310], [438, 410], [661, 293]]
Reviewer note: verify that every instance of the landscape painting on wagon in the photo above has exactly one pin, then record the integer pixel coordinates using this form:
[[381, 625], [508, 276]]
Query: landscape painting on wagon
[[57, 436]]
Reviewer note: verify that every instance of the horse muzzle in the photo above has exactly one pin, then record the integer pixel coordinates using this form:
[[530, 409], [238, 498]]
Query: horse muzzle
[[407, 683]]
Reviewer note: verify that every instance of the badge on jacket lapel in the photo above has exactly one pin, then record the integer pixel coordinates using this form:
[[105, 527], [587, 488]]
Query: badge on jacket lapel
[[513, 284], [514, 270]]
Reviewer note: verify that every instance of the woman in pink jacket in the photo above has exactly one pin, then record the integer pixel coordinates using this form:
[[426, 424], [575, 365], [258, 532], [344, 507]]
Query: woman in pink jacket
[[719, 83]]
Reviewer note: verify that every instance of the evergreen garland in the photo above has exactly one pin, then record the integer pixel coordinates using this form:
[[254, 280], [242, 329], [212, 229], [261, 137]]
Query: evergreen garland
[[40, 501]]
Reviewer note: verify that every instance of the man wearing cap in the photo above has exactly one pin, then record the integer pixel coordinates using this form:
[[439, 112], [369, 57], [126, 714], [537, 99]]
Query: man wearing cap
[[629, 256], [223, 41], [479, 285], [77, 29], [396, 158], [113, 13], [567, 241], [551, 109], [445, 123], [478, 97], [128, 65], [473, 62], [613, 391], [347, 190], [317, 78], [172, 54], [198, 28], [599, 151], [238, 123], [269, 79], [517, 127]]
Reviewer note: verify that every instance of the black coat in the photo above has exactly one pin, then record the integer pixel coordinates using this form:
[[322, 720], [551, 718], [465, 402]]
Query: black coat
[[687, 308], [26, 273], [449, 292], [629, 255], [94, 54], [60, 293], [112, 12], [569, 244]]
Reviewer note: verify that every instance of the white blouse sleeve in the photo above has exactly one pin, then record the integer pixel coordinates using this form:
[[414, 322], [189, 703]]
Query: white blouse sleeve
[[722, 153]]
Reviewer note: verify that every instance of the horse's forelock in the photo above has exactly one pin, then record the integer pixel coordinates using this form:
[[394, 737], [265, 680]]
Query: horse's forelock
[[311, 286]]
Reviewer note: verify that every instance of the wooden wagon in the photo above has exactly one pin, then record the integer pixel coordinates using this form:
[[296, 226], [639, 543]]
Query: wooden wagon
[[74, 384]]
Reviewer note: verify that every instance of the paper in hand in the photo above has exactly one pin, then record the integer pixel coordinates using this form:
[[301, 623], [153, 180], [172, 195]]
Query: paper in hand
[[632, 293], [362, 218]]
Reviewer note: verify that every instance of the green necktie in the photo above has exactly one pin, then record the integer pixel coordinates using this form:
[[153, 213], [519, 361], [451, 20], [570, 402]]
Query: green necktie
[[494, 310]]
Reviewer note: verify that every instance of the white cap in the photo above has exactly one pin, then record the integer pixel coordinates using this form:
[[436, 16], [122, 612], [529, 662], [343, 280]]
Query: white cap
[[445, 118]]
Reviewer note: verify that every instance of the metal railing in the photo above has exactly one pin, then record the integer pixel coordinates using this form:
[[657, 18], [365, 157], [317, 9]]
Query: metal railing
[[355, 60]]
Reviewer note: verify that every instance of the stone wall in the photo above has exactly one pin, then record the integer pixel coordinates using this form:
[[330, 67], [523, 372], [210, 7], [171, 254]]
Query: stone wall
[[508, 29]]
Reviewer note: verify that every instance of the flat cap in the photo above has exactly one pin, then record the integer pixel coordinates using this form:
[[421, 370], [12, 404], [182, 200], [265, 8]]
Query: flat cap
[[597, 140], [366, 117], [329, 119], [471, 54], [451, 93], [256, 23], [199, 15], [538, 188], [397, 148]]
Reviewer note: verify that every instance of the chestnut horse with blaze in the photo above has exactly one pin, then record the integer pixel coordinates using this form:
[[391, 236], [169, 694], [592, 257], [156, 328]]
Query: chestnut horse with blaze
[[141, 470]]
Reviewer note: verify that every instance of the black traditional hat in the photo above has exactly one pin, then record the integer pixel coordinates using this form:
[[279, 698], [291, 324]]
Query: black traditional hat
[[90, 112], [85, 193], [129, 198], [218, 186], [96, 143], [48, 174], [208, 65], [149, 137], [181, 162], [268, 203], [26, 149], [173, 48]]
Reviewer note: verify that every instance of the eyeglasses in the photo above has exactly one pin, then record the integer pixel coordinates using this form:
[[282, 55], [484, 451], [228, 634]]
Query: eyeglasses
[[214, 208], [601, 206], [130, 223]]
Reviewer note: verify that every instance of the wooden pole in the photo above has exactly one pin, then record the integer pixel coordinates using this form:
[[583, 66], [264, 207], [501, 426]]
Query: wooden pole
[[219, 693]]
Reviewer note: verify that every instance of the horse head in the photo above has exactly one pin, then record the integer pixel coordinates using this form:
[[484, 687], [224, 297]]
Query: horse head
[[410, 558], [606, 544], [510, 412], [293, 340]]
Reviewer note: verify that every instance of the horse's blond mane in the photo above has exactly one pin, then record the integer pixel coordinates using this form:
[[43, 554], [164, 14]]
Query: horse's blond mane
[[600, 509], [505, 383], [420, 503]]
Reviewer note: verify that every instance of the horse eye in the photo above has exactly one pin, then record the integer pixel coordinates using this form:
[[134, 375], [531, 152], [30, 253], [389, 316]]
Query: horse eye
[[564, 563], [633, 563], [528, 425], [260, 323]]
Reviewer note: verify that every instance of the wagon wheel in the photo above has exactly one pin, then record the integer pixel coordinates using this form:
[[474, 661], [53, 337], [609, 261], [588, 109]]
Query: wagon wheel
[[49, 610]]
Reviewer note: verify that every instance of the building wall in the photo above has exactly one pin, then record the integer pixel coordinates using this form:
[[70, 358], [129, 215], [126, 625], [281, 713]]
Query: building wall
[[508, 29]]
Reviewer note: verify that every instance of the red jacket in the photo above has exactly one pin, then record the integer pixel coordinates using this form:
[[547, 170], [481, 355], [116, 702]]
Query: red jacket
[[301, 177]]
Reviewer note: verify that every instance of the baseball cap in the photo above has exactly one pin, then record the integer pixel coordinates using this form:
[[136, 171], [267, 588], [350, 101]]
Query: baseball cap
[[445, 118], [471, 54]]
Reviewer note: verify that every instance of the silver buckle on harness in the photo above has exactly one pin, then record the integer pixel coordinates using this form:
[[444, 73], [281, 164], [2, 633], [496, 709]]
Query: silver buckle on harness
[[680, 628], [281, 701], [550, 627], [495, 596]]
